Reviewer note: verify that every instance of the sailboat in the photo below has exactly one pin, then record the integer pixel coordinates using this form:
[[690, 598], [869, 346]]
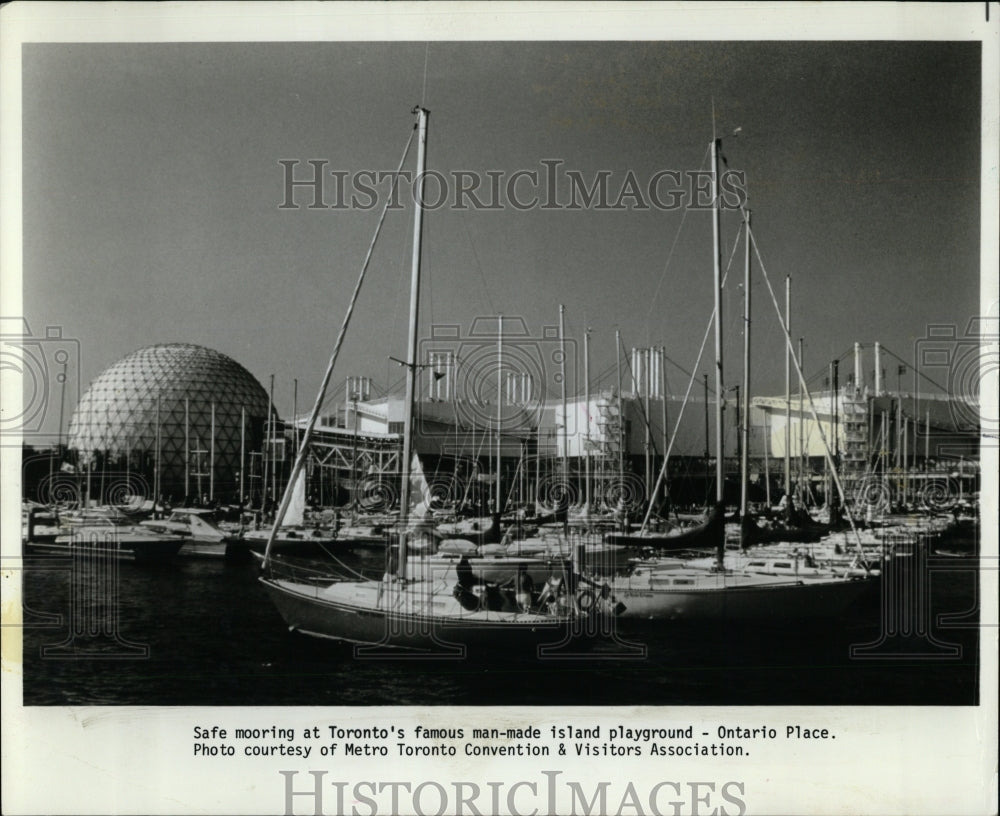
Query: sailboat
[[288, 534], [422, 609], [669, 589], [700, 536]]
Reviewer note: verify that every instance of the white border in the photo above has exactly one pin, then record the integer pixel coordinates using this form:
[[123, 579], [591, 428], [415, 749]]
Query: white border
[[123, 760]]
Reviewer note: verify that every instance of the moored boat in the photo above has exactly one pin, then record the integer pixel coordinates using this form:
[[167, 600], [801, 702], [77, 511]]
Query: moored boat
[[203, 538], [120, 542], [425, 608]]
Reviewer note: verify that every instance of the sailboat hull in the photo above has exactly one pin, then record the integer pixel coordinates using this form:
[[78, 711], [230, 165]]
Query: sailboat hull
[[704, 536], [711, 597], [422, 620]]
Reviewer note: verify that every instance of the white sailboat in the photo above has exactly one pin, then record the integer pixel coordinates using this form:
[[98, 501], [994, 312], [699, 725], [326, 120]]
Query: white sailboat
[[669, 589], [289, 534], [415, 607]]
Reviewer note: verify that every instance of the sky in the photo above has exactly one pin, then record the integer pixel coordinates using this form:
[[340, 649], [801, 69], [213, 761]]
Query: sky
[[153, 190]]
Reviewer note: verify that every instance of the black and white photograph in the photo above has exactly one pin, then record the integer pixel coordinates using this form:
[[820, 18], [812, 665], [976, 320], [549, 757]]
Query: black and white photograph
[[458, 408]]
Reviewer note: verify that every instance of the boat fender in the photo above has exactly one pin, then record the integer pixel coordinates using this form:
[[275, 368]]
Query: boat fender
[[586, 599]]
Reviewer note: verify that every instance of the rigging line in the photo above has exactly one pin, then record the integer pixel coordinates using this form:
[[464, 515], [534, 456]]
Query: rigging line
[[812, 408], [400, 289], [318, 404], [479, 267], [910, 364], [687, 394], [670, 254]]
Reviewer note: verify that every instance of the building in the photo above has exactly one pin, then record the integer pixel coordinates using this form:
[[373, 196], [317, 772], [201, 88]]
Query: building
[[178, 420]]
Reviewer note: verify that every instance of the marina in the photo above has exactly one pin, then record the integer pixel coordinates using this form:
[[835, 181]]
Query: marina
[[247, 656], [505, 505]]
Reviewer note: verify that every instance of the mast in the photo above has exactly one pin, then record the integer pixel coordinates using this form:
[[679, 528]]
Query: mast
[[826, 465], [644, 360], [565, 418], [499, 498], [802, 434], [621, 417], [767, 465], [745, 453], [187, 450], [788, 389], [927, 439], [836, 414], [300, 457], [354, 448], [411, 353], [295, 424], [156, 474], [586, 414], [663, 418], [717, 290], [211, 459], [708, 450], [717, 287], [243, 445], [268, 448]]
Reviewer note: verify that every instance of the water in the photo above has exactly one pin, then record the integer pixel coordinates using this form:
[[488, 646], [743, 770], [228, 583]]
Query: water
[[204, 633]]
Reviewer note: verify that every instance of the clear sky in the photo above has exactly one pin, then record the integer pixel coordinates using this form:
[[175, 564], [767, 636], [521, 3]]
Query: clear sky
[[152, 187]]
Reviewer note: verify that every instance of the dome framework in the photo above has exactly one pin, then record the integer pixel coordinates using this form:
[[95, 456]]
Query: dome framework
[[203, 403]]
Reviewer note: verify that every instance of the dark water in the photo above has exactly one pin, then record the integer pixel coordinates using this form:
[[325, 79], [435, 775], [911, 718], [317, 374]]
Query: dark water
[[204, 633]]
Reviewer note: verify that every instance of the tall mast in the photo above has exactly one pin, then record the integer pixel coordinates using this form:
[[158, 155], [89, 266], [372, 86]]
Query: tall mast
[[156, 475], [642, 387], [586, 416], [745, 457], [767, 464], [243, 446], [187, 450], [788, 388], [717, 286], [663, 416], [354, 447], [411, 353], [621, 417], [211, 458], [717, 289], [295, 421], [565, 417], [836, 414], [499, 499], [803, 491], [302, 453], [268, 447], [708, 449]]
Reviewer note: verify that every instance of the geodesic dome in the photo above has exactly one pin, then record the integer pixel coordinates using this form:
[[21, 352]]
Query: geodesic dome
[[117, 418]]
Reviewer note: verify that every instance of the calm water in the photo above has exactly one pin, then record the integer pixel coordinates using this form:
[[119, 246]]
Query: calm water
[[204, 633]]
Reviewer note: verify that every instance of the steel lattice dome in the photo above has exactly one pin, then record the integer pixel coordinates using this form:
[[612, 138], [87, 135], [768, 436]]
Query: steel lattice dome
[[116, 419]]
